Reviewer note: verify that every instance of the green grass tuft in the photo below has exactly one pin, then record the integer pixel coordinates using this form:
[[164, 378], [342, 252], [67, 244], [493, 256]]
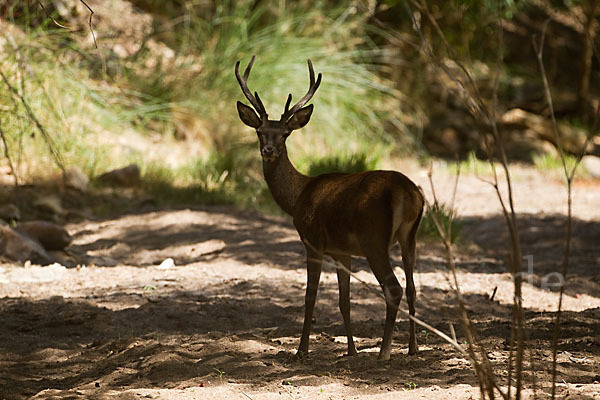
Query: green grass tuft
[[95, 105], [549, 162], [445, 216], [472, 164], [340, 163]]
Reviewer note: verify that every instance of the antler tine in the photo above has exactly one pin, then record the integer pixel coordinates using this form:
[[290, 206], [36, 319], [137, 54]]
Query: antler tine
[[311, 73], [287, 103], [260, 103], [257, 104], [312, 88], [249, 67]]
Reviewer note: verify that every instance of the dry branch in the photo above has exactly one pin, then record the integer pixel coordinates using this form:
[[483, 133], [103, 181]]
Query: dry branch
[[569, 176], [479, 109], [9, 159], [451, 340], [68, 28], [47, 138], [481, 364]]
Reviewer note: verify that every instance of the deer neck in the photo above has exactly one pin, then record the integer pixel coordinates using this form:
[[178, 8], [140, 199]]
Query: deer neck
[[284, 181]]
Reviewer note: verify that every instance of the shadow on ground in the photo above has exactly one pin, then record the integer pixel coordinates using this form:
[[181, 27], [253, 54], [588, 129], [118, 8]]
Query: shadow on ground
[[186, 338], [245, 330], [206, 233]]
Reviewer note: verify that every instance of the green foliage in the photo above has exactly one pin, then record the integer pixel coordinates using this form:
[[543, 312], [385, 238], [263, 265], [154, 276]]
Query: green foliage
[[61, 97], [341, 163], [352, 105], [549, 162], [217, 170], [472, 164], [169, 185], [552, 163], [87, 104], [445, 216]]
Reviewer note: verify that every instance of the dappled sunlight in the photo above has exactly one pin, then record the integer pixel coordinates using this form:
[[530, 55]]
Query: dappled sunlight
[[177, 328], [534, 297], [187, 236], [236, 306], [143, 251]]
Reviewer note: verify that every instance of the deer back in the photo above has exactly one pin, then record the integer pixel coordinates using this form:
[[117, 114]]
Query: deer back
[[336, 210]]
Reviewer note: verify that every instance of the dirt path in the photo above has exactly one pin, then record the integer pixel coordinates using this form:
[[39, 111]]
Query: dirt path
[[225, 319]]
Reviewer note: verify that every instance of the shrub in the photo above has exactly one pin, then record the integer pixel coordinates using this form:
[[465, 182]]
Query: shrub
[[444, 215]]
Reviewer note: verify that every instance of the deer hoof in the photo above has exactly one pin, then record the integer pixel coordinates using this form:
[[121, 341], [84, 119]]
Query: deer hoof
[[301, 354], [413, 349]]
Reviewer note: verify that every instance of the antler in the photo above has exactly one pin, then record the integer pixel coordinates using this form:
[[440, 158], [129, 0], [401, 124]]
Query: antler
[[312, 88], [254, 100]]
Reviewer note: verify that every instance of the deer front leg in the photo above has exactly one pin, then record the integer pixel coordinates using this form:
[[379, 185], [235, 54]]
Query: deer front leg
[[313, 264], [343, 276]]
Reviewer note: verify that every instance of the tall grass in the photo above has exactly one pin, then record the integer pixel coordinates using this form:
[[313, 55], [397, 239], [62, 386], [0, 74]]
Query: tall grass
[[358, 162], [352, 105], [550, 163], [446, 217], [86, 106], [59, 95]]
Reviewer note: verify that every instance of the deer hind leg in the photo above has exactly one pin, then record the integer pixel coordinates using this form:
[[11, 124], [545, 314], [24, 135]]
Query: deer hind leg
[[343, 276], [314, 262], [408, 246], [379, 261]]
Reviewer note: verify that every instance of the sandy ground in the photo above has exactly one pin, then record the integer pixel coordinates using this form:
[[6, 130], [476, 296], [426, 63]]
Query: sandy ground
[[223, 321]]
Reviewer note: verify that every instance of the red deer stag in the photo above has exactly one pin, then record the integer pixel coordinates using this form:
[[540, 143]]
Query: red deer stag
[[339, 214]]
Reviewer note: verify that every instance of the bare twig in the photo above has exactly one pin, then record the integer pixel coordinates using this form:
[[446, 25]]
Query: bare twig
[[481, 364], [452, 331], [90, 21], [479, 109], [288, 391], [50, 144], [60, 25], [337, 265], [494, 293], [9, 159], [246, 395], [569, 176], [51, 17]]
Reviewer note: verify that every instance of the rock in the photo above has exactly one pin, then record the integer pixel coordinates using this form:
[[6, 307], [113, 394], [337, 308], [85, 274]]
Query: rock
[[592, 165], [101, 261], [523, 144], [126, 176], [167, 263], [19, 247], [75, 178], [10, 212], [449, 139], [49, 235], [572, 138]]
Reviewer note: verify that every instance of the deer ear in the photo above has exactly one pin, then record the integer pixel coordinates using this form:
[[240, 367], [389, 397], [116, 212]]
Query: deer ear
[[248, 116], [300, 118]]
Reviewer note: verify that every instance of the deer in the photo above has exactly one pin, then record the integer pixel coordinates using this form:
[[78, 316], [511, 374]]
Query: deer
[[339, 215]]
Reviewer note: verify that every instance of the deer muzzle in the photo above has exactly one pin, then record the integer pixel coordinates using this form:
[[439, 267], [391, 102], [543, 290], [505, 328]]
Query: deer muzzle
[[269, 153]]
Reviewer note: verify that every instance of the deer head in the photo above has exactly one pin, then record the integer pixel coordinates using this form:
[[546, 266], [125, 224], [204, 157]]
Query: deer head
[[272, 133]]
